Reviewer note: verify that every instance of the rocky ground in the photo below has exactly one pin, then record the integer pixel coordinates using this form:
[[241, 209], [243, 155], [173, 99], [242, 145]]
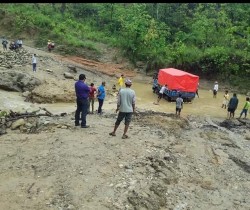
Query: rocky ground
[[46, 162]]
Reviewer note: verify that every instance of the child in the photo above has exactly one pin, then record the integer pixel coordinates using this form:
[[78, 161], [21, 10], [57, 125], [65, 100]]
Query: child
[[179, 105], [226, 100], [245, 108]]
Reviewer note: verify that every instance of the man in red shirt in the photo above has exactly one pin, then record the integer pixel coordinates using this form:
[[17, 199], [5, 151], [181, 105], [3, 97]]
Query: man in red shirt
[[92, 97]]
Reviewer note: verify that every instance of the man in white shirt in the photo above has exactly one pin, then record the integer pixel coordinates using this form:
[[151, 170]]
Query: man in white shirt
[[161, 92], [126, 107], [34, 62], [216, 87]]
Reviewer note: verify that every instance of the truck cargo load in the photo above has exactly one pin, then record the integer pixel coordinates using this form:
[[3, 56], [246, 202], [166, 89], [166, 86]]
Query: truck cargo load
[[178, 82]]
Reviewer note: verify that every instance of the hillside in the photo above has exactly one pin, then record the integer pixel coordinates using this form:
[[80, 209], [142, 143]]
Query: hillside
[[198, 161]]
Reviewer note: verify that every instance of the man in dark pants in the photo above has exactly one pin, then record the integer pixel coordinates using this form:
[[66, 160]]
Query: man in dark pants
[[232, 106], [82, 94], [126, 107], [101, 93]]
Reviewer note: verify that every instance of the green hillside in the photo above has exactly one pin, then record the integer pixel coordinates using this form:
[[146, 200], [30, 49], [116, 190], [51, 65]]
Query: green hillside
[[210, 39]]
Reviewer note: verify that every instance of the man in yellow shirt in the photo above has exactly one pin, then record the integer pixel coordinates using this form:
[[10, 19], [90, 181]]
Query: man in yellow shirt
[[120, 82], [245, 108]]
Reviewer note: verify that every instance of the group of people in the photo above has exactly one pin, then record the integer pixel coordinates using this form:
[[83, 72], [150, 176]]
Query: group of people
[[85, 97], [13, 45], [228, 103], [231, 104], [50, 45]]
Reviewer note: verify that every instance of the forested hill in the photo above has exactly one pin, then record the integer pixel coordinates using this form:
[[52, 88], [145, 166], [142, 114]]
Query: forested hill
[[204, 38]]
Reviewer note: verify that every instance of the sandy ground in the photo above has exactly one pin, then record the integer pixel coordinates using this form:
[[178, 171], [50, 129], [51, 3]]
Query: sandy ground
[[192, 162]]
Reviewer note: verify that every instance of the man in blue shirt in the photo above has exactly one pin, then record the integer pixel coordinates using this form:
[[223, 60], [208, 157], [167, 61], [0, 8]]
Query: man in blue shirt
[[82, 94], [232, 106], [101, 93]]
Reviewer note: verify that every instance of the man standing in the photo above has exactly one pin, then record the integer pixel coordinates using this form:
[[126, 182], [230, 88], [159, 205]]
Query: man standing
[[101, 96], [245, 108], [215, 90], [92, 97], [126, 107], [82, 94], [232, 105], [34, 62], [120, 82], [179, 105]]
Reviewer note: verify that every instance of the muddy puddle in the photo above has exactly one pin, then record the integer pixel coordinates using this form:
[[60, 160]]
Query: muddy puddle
[[205, 105]]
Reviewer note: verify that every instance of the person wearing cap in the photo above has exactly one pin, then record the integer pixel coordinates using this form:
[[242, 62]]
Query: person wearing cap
[[216, 88], [126, 107], [82, 94]]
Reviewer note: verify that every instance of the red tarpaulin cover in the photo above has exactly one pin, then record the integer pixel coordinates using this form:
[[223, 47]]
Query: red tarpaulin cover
[[178, 80]]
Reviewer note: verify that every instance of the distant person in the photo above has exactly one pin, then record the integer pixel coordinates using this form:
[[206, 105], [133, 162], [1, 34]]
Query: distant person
[[114, 88], [155, 85], [232, 106], [20, 43], [179, 105], [52, 45], [5, 44], [161, 93], [92, 97], [34, 62], [82, 94], [120, 82], [245, 108], [49, 45], [101, 94], [215, 90], [126, 107], [225, 100]]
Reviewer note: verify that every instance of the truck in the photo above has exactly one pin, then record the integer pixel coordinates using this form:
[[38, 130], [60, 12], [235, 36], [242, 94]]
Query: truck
[[178, 82]]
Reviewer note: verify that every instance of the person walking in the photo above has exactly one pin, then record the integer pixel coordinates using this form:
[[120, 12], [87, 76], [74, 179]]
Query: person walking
[[82, 94], [225, 100], [161, 93], [232, 106], [245, 108], [179, 105], [126, 107], [34, 62], [92, 97], [215, 90], [101, 93]]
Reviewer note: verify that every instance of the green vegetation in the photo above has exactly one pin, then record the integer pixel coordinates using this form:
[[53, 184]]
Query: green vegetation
[[208, 39]]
